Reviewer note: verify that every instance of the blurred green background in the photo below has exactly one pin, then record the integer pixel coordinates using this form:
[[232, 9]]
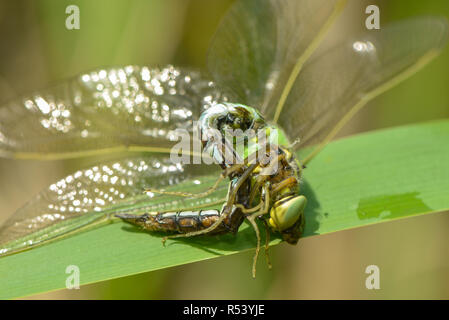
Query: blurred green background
[[37, 50]]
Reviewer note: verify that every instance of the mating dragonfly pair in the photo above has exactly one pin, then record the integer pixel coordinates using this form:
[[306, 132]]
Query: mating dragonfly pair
[[271, 69]]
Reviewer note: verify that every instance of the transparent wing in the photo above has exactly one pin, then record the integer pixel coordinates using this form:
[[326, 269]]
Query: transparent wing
[[105, 110], [260, 43], [87, 195], [335, 84], [269, 54]]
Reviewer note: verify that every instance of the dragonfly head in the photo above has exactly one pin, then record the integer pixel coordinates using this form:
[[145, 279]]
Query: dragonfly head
[[287, 217]]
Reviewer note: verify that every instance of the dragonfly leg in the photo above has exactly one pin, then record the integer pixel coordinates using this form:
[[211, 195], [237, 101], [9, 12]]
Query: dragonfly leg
[[187, 194], [225, 211], [267, 244], [252, 220], [223, 175], [250, 210]]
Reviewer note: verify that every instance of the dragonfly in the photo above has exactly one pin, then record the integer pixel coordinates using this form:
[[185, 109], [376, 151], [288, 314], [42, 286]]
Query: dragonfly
[[269, 69]]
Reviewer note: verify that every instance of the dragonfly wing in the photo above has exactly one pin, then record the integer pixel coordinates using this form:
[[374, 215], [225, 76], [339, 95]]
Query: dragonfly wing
[[112, 187], [105, 110], [269, 54], [260, 42], [334, 84]]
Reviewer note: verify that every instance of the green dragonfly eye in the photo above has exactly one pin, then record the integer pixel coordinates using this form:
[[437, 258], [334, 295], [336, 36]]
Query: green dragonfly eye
[[285, 214]]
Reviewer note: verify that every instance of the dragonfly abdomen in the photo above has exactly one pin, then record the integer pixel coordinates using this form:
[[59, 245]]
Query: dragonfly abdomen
[[182, 221], [179, 221]]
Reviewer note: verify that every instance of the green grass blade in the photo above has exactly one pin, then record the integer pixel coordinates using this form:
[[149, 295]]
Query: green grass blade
[[365, 179]]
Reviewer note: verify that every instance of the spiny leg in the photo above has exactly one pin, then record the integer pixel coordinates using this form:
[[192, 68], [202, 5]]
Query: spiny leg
[[187, 194], [252, 221], [226, 210], [197, 207], [223, 175], [250, 210], [267, 244]]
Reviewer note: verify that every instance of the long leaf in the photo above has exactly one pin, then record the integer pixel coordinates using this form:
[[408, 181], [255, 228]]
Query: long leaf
[[365, 179]]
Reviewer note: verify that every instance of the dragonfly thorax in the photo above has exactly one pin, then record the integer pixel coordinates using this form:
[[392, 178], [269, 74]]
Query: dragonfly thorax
[[237, 134], [286, 205]]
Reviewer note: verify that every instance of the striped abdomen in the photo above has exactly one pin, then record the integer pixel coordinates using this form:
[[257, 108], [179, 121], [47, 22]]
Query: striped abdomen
[[185, 221]]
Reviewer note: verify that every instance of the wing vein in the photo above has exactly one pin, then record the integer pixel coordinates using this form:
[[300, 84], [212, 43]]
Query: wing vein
[[339, 6]]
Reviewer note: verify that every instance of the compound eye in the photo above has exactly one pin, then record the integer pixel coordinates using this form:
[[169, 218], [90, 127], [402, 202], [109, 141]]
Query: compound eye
[[284, 215]]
